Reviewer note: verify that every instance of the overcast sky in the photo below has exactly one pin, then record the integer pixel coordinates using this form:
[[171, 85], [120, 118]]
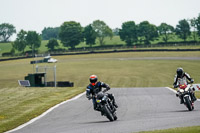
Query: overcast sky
[[37, 14]]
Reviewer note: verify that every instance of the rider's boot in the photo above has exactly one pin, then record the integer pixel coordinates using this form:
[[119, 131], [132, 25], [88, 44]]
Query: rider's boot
[[181, 102], [181, 99], [111, 96], [102, 113], [115, 104], [97, 109], [193, 97]]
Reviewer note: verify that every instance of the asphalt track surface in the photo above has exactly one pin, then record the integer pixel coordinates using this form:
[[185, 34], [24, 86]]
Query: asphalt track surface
[[140, 109]]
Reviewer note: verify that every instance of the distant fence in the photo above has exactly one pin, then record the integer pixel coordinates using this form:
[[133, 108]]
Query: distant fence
[[114, 51], [137, 46], [103, 51]]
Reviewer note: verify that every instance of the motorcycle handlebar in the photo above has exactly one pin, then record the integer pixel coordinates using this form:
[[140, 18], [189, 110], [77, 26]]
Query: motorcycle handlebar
[[105, 90], [90, 97]]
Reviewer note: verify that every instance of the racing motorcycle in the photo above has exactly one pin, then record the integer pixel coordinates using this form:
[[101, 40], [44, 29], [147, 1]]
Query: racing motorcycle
[[185, 93], [105, 105]]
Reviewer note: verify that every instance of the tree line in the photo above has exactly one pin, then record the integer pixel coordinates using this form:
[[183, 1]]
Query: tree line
[[71, 33]]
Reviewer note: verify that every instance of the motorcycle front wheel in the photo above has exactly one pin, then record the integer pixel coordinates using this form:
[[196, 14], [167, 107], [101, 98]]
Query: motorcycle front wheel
[[108, 113], [188, 103]]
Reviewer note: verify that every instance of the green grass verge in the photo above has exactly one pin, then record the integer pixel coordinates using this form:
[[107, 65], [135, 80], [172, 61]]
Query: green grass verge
[[19, 104], [195, 129]]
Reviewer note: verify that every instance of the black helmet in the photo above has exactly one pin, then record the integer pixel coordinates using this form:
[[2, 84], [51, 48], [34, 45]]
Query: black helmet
[[93, 79], [179, 72]]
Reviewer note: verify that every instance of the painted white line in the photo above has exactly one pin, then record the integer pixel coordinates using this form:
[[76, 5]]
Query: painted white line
[[176, 91], [43, 114]]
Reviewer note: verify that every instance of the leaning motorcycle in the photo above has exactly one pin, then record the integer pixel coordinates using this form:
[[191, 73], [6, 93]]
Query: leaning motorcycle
[[185, 93], [105, 105]]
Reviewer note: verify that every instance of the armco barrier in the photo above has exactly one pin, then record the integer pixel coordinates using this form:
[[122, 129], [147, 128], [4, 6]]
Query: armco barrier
[[196, 87], [111, 51]]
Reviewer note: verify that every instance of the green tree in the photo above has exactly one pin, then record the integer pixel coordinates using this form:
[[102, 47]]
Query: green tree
[[48, 33], [198, 24], [90, 35], [71, 34], [6, 31], [147, 32], [116, 31], [33, 40], [129, 32], [52, 44], [165, 30], [12, 51], [193, 25], [102, 30], [20, 42], [183, 29]]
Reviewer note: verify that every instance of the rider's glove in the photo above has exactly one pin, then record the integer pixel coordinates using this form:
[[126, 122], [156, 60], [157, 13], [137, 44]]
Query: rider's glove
[[107, 88], [192, 81], [175, 86], [104, 90], [89, 97], [177, 94]]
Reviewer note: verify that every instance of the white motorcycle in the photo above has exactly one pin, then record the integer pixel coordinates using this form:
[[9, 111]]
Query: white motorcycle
[[185, 93]]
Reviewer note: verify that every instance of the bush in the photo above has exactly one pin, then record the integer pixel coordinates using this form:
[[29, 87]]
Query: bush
[[180, 42], [6, 54]]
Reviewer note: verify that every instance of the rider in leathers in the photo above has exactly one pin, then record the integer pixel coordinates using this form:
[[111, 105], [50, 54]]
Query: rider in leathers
[[96, 86], [180, 79]]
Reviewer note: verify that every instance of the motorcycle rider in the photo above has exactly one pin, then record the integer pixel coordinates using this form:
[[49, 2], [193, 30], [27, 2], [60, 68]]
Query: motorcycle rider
[[182, 78], [94, 87]]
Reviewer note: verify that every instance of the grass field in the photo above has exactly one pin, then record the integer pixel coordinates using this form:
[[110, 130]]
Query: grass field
[[19, 104]]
